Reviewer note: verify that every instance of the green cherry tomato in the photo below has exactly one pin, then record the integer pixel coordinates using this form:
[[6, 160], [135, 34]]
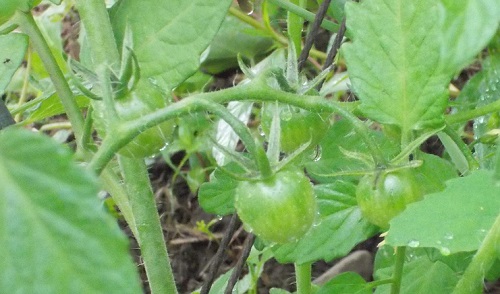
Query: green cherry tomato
[[9, 7], [279, 209], [383, 196], [298, 126], [143, 100]]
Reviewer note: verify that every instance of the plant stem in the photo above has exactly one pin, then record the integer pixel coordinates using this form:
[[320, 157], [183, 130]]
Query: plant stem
[[303, 278], [473, 113], [307, 15], [269, 30], [377, 283], [473, 277], [29, 27], [149, 231], [24, 90], [397, 275], [257, 25], [112, 185], [255, 90], [295, 23], [101, 39]]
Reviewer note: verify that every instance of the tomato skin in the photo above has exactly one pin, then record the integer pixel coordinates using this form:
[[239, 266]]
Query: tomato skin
[[382, 197], [280, 209], [298, 126], [9, 7], [143, 100]]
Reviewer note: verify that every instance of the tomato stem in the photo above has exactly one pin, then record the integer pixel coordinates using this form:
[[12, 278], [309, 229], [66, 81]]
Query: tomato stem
[[147, 221], [303, 278], [295, 24], [397, 275], [256, 90], [464, 116], [30, 28]]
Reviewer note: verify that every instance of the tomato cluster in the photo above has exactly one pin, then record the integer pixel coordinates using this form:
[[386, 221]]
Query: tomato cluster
[[279, 209], [382, 196]]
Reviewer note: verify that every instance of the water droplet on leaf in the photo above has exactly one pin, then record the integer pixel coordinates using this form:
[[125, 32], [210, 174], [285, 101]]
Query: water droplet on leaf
[[413, 243], [445, 251]]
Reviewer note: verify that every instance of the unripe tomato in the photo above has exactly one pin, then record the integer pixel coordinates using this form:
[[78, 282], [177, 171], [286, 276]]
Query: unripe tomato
[[143, 100], [383, 196], [298, 126], [279, 209], [9, 7]]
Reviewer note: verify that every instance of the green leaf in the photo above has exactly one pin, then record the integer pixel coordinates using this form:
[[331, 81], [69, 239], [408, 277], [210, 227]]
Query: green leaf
[[339, 228], [421, 274], [346, 283], [481, 90], [278, 291], [433, 173], [234, 37], [169, 36], [393, 62], [217, 195], [332, 159], [467, 27], [220, 285], [55, 235], [12, 50], [456, 219], [52, 106]]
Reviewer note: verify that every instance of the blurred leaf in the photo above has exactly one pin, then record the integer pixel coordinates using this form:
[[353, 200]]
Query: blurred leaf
[[346, 283], [12, 50], [467, 27], [421, 275], [393, 62], [453, 220], [278, 291], [194, 84], [234, 37], [169, 36], [52, 106], [220, 285], [483, 89], [54, 232], [49, 23], [195, 177], [339, 227]]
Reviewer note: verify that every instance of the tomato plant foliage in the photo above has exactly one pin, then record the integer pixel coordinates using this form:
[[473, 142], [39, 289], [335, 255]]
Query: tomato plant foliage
[[307, 169]]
